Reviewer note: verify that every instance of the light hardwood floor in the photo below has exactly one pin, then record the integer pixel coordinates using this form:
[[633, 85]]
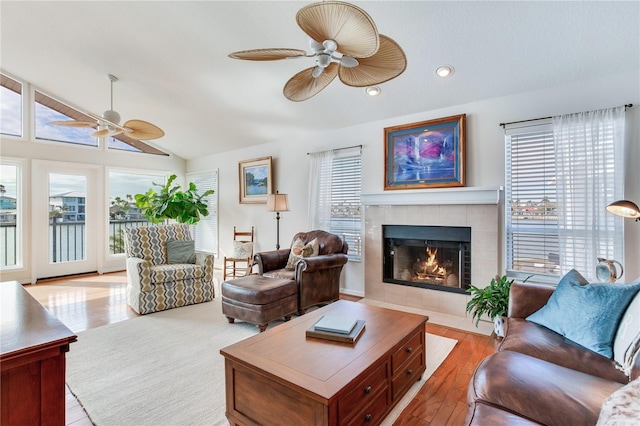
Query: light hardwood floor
[[90, 301]]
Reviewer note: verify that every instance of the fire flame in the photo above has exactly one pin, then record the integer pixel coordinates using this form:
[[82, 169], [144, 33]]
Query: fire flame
[[431, 264]]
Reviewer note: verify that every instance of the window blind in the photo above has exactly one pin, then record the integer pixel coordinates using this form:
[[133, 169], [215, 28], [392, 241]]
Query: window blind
[[205, 232], [346, 188], [531, 201]]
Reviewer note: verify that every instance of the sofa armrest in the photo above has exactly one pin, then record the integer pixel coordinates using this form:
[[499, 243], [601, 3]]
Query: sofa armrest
[[138, 274], [317, 263], [271, 260], [526, 298], [206, 260]]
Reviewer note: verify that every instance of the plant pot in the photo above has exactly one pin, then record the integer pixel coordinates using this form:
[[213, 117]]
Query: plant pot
[[499, 325]]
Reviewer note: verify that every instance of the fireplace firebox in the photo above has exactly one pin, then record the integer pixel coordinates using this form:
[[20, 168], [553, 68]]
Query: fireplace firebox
[[434, 257]]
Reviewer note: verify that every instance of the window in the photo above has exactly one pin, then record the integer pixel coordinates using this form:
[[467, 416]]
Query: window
[[336, 186], [10, 226], [205, 232], [48, 109], [123, 213], [11, 104], [560, 175]]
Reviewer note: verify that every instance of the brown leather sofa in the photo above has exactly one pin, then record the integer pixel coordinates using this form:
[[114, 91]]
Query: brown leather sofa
[[317, 277], [539, 377]]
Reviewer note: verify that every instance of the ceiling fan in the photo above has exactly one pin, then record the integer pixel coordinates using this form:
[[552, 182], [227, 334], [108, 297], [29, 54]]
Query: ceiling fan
[[344, 42], [109, 124]]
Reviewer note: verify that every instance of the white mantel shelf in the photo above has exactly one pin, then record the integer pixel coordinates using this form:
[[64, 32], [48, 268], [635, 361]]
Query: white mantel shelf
[[436, 196]]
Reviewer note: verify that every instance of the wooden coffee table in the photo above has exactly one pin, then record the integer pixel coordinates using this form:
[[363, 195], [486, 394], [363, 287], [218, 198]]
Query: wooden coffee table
[[282, 377]]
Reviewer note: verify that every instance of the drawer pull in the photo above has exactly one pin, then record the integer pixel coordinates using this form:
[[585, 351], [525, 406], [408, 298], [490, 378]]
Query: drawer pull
[[409, 372], [367, 389], [409, 350], [368, 418]]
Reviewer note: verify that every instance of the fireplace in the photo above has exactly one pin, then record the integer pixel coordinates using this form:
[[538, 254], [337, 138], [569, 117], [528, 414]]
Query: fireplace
[[433, 257]]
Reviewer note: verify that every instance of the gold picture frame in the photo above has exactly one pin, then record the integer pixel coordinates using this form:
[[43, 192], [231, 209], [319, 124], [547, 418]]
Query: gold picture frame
[[427, 154], [255, 180]]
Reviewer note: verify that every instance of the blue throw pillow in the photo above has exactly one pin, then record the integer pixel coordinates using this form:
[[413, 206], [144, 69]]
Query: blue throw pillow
[[181, 251], [587, 314]]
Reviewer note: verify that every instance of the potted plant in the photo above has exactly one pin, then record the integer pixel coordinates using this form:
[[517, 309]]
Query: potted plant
[[492, 300], [173, 203]]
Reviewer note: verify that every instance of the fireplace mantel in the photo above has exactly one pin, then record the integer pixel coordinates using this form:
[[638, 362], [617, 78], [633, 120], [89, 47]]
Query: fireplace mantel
[[436, 196]]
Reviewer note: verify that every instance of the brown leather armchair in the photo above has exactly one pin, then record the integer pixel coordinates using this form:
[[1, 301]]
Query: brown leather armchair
[[318, 277]]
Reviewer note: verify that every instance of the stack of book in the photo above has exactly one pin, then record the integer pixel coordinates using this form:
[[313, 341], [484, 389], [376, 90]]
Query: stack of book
[[337, 328]]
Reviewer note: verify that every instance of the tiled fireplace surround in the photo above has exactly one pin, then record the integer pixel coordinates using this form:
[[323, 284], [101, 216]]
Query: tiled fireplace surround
[[477, 208]]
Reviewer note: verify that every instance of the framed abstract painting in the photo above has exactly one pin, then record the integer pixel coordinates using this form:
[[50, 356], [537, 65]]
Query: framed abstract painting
[[427, 154], [255, 180]]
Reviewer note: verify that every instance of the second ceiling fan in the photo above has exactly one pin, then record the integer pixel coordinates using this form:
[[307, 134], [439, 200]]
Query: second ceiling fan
[[109, 124], [344, 42]]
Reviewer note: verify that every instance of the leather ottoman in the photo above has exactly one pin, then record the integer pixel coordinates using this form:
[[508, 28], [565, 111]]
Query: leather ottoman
[[259, 300]]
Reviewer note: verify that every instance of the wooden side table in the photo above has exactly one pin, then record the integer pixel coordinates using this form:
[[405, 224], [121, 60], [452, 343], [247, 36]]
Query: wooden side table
[[33, 344]]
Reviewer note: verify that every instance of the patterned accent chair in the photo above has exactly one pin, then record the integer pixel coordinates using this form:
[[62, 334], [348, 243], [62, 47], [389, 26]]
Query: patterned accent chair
[[153, 284]]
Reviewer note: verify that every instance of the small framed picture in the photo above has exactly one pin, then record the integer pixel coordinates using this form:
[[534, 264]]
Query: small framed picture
[[255, 180], [428, 154]]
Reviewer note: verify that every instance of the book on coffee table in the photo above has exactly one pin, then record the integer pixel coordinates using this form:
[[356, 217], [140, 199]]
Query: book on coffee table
[[350, 337], [335, 324]]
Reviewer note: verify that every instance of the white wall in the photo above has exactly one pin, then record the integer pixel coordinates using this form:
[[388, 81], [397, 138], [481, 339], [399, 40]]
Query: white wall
[[485, 160]]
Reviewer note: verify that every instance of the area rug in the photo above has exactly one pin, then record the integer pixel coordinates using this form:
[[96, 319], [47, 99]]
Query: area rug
[[166, 369]]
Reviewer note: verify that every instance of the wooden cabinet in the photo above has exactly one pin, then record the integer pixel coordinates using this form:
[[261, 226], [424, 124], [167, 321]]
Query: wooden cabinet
[[32, 360], [280, 377]]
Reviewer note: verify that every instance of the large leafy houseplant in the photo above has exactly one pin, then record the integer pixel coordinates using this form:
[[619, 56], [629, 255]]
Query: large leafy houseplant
[[492, 300], [173, 203]]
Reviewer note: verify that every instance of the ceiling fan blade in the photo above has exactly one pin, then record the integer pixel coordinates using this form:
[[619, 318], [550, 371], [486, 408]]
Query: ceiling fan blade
[[267, 54], [104, 133], [303, 85], [388, 63], [142, 130], [348, 25], [74, 123]]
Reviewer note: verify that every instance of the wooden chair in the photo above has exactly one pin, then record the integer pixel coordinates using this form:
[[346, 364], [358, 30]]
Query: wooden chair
[[240, 262]]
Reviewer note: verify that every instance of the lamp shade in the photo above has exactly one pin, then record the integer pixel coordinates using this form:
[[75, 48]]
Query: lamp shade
[[624, 208], [277, 203]]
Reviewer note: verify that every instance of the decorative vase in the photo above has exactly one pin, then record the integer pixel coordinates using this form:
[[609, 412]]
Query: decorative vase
[[499, 325]]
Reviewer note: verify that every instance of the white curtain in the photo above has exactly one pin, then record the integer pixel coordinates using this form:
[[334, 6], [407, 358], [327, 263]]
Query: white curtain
[[320, 172], [590, 175]]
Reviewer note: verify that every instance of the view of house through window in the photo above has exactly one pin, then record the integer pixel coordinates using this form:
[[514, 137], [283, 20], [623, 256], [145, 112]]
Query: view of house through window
[[67, 217]]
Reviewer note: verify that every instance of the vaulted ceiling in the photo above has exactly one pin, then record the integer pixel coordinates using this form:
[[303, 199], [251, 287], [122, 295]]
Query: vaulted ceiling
[[171, 59]]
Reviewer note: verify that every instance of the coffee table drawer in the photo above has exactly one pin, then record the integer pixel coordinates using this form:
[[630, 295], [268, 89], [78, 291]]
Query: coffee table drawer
[[411, 347], [409, 374], [362, 393], [371, 414]]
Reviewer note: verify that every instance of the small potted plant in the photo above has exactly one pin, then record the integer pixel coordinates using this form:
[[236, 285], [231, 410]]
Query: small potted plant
[[173, 203], [492, 301]]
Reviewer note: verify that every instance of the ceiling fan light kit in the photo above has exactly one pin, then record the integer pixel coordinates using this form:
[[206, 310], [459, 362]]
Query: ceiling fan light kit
[[345, 43], [373, 91], [108, 124]]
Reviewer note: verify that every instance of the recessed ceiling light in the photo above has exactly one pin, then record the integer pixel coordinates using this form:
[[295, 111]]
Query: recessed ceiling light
[[444, 71], [373, 91]]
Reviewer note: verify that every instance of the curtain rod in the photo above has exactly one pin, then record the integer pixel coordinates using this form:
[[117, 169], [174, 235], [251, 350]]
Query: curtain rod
[[337, 149], [626, 107]]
